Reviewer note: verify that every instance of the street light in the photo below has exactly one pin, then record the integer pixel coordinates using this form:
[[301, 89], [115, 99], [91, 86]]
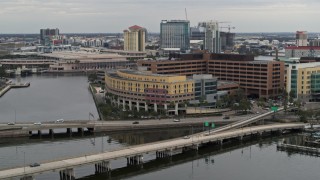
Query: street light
[[24, 161]]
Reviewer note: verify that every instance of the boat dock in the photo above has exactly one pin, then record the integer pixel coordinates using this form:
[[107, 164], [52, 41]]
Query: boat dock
[[13, 85], [301, 149]]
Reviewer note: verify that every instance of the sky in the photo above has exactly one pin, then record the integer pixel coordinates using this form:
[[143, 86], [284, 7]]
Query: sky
[[113, 16]]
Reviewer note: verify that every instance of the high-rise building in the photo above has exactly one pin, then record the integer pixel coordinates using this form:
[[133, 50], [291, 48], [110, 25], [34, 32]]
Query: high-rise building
[[134, 38], [212, 41], [47, 34], [175, 34], [302, 38]]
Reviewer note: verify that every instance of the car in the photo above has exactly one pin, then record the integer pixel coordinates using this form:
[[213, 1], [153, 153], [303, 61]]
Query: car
[[257, 112], [59, 120], [34, 165], [176, 120], [206, 134], [186, 137], [135, 122], [101, 91], [11, 123], [226, 117], [37, 123]]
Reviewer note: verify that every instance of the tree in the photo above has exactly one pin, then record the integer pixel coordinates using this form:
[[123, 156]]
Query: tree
[[291, 96]]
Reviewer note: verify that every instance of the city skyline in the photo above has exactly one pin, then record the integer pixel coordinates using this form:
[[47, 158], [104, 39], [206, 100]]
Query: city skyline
[[112, 16]]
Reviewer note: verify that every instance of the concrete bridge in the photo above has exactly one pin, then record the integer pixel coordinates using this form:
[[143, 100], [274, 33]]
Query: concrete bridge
[[134, 154]]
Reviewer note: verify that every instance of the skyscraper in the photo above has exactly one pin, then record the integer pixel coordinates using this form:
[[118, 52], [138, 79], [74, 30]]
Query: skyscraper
[[302, 38], [175, 34], [134, 38], [212, 41], [47, 33]]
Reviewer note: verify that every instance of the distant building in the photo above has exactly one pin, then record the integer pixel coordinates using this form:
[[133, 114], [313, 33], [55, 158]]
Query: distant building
[[134, 38], [227, 40], [46, 35], [302, 38], [175, 34], [212, 41], [302, 51], [314, 42]]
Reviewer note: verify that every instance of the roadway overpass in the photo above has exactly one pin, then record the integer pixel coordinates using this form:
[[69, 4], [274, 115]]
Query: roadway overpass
[[134, 154]]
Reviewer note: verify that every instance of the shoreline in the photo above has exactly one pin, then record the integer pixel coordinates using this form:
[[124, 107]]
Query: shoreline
[[9, 86]]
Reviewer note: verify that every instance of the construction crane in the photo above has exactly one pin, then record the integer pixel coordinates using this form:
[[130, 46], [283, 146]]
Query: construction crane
[[229, 28], [185, 10]]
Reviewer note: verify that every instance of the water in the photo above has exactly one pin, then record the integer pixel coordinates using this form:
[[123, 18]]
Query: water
[[49, 97], [52, 97]]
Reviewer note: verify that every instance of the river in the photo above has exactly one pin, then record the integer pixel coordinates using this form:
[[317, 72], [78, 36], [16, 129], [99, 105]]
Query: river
[[52, 97]]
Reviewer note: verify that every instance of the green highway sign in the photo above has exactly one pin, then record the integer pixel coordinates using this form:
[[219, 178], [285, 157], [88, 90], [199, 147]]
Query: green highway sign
[[213, 125], [206, 124], [274, 108]]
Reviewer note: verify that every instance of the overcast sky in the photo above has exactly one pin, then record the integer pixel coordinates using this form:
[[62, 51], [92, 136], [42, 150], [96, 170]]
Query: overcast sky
[[103, 16]]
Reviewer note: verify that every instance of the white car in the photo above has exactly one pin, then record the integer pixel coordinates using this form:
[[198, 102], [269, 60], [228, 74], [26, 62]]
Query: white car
[[37, 123], [176, 120], [186, 137], [11, 123], [60, 121]]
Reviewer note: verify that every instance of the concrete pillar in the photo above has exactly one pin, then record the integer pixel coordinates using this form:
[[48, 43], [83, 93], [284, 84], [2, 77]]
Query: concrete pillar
[[138, 106], [39, 133], [130, 105], [155, 107], [67, 174], [146, 107], [176, 108], [123, 104], [102, 167], [118, 100], [81, 131], [69, 131], [51, 132], [27, 178], [165, 106]]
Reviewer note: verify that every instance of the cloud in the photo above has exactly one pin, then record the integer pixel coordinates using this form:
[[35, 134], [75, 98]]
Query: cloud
[[116, 15]]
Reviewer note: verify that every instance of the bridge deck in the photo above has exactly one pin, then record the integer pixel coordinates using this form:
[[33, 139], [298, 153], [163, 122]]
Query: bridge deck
[[141, 149]]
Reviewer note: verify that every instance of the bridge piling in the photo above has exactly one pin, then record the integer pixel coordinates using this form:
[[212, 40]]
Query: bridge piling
[[135, 160], [39, 133], [67, 174], [81, 131], [102, 167], [27, 178], [69, 131], [51, 132]]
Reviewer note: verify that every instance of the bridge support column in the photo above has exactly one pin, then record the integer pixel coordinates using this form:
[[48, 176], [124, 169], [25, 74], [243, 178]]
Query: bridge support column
[[69, 131], [195, 147], [39, 133], [80, 131], [118, 102], [102, 167], [27, 178], [67, 174], [51, 132], [163, 154], [123, 104], [135, 160]]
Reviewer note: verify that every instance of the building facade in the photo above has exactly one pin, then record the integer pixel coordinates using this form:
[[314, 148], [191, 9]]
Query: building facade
[[149, 92], [258, 78], [302, 51], [303, 80], [301, 38], [212, 41], [205, 89], [134, 38], [175, 34]]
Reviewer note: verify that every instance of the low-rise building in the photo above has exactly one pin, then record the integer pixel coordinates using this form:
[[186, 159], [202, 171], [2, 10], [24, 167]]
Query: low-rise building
[[138, 90]]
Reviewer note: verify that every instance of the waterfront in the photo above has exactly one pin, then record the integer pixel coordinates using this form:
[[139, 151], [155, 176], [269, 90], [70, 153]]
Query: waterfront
[[258, 159], [48, 98]]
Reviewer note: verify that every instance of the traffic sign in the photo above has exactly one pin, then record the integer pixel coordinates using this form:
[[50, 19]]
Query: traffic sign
[[213, 125], [206, 124], [274, 108]]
